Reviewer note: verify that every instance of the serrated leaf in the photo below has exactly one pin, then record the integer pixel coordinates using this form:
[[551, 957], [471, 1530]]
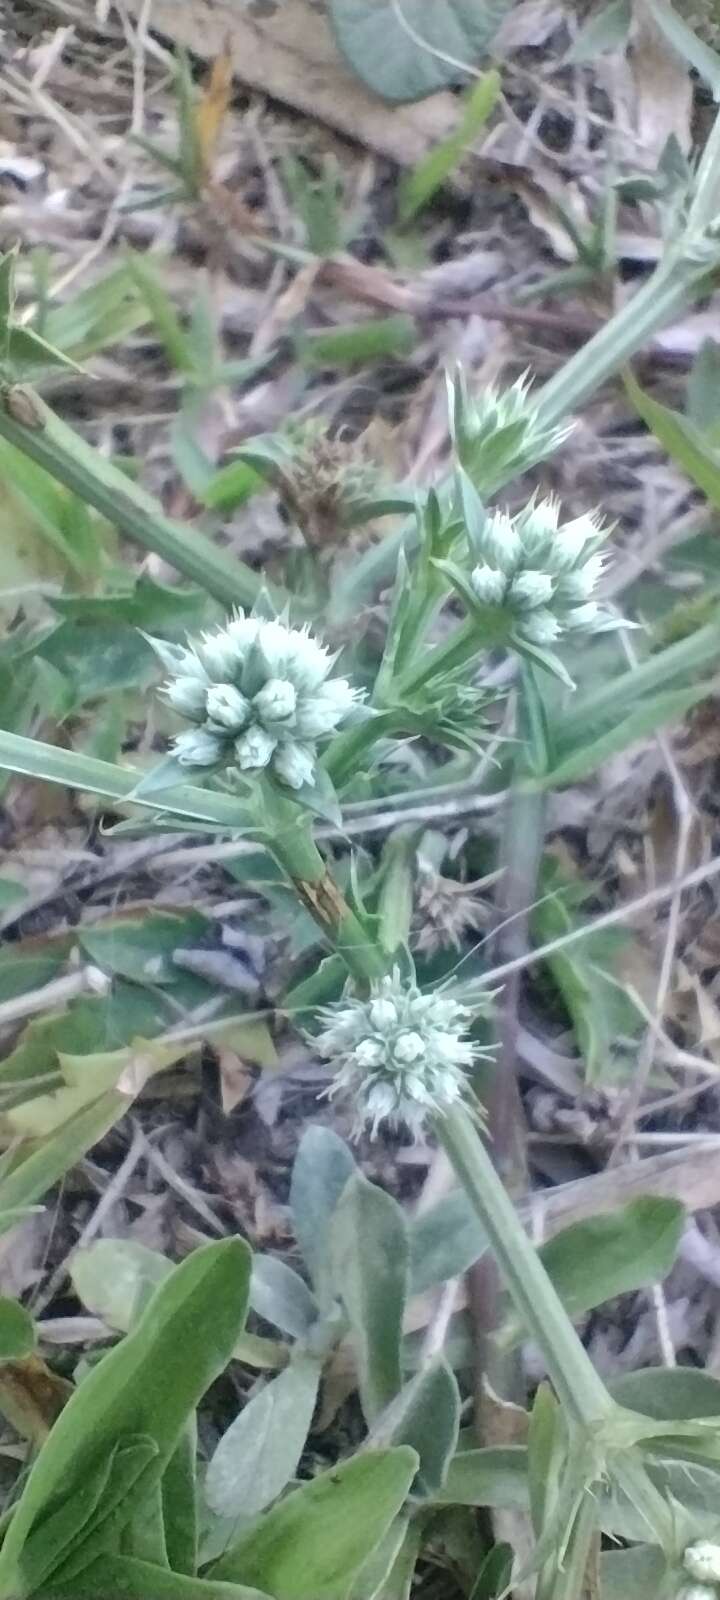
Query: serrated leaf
[[260, 1451], [370, 1252], [409, 62]]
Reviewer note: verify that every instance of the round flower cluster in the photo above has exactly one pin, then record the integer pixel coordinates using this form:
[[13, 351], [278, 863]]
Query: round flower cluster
[[499, 433], [702, 1562], [543, 572], [260, 696], [399, 1054]]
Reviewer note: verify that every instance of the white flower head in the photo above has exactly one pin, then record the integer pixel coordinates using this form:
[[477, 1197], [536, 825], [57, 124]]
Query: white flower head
[[542, 572], [702, 1561], [698, 1591], [260, 695], [398, 1053]]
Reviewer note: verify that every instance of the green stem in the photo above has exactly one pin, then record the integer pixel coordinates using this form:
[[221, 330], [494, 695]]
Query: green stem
[[668, 291], [99, 483], [577, 1384], [289, 839]]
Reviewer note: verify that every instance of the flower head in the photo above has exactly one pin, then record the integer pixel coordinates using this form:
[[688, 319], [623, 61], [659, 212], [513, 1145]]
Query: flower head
[[698, 1591], [498, 433], [542, 572], [702, 1561], [400, 1054], [260, 696]]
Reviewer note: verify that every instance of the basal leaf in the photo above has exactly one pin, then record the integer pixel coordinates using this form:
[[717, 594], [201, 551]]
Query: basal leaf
[[149, 1384], [260, 1451], [322, 1168], [370, 1252], [314, 1541]]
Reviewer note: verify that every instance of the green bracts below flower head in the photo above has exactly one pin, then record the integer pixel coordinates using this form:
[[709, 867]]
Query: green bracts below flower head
[[400, 1054], [498, 433], [259, 695]]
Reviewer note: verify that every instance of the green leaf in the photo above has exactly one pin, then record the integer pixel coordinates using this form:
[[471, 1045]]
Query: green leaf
[[370, 1254], [260, 1452], [116, 1279], [52, 1544], [671, 1394], [585, 974], [426, 1416], [17, 1330], [127, 1579], [321, 1170], [646, 718], [314, 1541], [496, 1478], [693, 50], [681, 438], [179, 1503], [607, 29], [435, 47], [142, 950], [418, 186], [280, 1296], [639, 1573], [231, 486], [703, 392], [168, 326], [444, 1241], [595, 1260], [148, 1384], [379, 339]]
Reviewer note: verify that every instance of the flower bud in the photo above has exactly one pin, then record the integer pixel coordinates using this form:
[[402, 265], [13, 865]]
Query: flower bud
[[276, 701], [500, 542], [198, 748], [219, 655], [408, 1047], [187, 696], [322, 711], [702, 1561], [227, 707], [254, 748], [530, 589], [489, 585], [383, 1014], [540, 627], [294, 764]]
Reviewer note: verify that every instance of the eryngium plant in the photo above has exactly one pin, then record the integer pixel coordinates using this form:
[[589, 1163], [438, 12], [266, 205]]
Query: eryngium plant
[[542, 573], [398, 1054], [498, 433], [259, 695]]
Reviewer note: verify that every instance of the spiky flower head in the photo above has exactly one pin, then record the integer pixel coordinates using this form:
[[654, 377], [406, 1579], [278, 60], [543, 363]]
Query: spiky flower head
[[259, 695], [498, 433], [702, 1561], [542, 572], [399, 1054]]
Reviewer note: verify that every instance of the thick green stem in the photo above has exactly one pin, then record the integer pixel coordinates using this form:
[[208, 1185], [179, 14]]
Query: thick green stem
[[578, 1386], [288, 838]]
